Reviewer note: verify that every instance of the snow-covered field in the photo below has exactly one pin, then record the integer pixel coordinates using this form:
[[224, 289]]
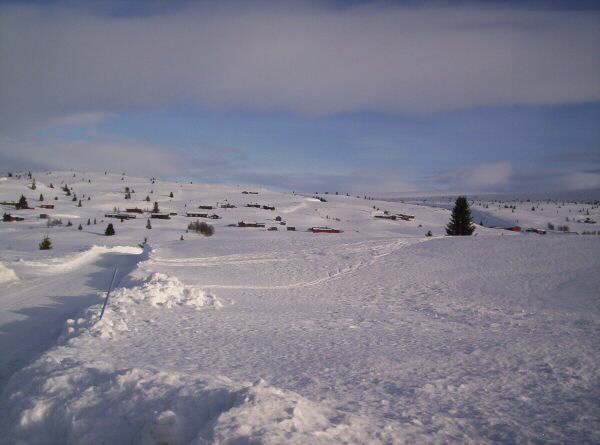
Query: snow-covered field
[[378, 334]]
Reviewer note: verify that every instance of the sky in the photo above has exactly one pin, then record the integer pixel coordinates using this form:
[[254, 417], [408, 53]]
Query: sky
[[378, 97]]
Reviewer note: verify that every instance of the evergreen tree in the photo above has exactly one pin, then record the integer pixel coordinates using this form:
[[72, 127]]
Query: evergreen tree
[[45, 244], [22, 204], [110, 230], [79, 227], [147, 198], [460, 221], [41, 197], [171, 195], [79, 205], [69, 223], [155, 209], [33, 185], [95, 221], [88, 222], [51, 186], [148, 225]]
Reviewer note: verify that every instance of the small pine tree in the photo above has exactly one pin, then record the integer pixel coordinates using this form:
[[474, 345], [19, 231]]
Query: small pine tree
[[155, 209], [79, 204], [148, 225], [51, 186], [88, 222], [69, 223], [460, 222], [94, 221], [110, 230], [46, 243], [147, 198], [171, 195], [181, 238], [33, 185], [41, 198], [22, 204], [79, 227]]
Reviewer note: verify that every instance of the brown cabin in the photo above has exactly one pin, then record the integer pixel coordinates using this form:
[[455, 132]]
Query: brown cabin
[[205, 207], [160, 216], [134, 210], [250, 224], [47, 206], [196, 215]]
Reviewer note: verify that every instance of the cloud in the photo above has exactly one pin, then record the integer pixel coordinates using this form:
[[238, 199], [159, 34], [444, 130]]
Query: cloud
[[581, 181], [488, 175], [131, 156], [293, 56], [79, 119], [480, 177]]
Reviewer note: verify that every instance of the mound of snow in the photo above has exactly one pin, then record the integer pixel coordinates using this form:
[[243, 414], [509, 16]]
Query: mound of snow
[[158, 290], [7, 274], [65, 402], [163, 290]]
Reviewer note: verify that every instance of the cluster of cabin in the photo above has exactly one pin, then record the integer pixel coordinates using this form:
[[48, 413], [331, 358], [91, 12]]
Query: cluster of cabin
[[397, 216], [258, 206], [245, 192], [202, 215], [7, 217]]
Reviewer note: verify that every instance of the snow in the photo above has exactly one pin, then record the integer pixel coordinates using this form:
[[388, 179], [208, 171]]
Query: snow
[[7, 274], [70, 262], [375, 335]]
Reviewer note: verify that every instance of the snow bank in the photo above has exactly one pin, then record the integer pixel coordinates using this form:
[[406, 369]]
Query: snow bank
[[65, 264], [7, 274], [158, 290], [64, 402], [163, 290]]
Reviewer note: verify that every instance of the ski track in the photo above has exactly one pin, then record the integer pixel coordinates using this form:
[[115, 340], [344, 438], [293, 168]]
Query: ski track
[[378, 251]]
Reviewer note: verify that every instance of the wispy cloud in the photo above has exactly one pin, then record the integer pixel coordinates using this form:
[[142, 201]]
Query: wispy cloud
[[301, 57]]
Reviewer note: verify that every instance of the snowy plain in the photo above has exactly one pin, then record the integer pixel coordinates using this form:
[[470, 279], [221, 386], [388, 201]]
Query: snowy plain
[[378, 334]]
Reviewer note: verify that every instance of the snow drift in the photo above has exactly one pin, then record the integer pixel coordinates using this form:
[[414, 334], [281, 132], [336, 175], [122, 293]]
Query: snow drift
[[70, 262], [67, 402], [7, 274], [66, 398], [157, 290]]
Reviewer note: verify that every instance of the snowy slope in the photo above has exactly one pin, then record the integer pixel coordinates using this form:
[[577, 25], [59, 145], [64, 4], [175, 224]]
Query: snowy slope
[[374, 335]]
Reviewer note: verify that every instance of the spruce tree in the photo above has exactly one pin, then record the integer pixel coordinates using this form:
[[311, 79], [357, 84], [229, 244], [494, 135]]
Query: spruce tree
[[79, 227], [88, 222], [148, 225], [460, 222], [171, 195], [45, 244], [155, 209], [41, 197], [110, 230], [22, 204]]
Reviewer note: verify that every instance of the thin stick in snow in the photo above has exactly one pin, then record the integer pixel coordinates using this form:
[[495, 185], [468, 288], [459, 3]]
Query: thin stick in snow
[[112, 282]]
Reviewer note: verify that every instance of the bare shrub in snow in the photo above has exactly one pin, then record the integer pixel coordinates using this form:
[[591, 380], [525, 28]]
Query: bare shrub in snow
[[201, 227]]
